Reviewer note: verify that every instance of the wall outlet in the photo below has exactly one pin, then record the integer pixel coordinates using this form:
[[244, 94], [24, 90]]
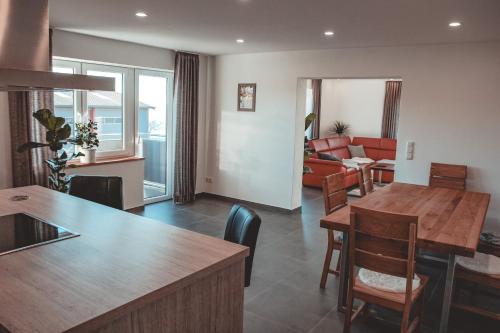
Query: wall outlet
[[410, 149], [208, 180]]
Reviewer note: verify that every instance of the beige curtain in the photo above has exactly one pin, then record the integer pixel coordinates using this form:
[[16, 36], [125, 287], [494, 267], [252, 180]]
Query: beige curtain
[[390, 116], [186, 101], [28, 168], [316, 92]]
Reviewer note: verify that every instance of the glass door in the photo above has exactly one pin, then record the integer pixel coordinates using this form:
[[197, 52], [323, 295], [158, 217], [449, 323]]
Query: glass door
[[154, 126]]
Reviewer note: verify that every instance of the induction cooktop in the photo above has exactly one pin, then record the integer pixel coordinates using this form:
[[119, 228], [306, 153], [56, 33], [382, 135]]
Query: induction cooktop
[[22, 231]]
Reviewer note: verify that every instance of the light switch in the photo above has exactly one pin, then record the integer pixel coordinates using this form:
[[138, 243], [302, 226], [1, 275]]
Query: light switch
[[410, 148]]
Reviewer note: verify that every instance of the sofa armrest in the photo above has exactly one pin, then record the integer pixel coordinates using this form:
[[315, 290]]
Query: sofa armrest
[[324, 167]]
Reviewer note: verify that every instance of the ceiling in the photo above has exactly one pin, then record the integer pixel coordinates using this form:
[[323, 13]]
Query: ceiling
[[212, 26]]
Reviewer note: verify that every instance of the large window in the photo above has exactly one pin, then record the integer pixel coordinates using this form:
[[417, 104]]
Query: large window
[[135, 118], [114, 111]]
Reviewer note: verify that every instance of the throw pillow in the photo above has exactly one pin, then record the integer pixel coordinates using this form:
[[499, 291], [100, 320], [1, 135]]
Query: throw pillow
[[357, 151], [328, 157]]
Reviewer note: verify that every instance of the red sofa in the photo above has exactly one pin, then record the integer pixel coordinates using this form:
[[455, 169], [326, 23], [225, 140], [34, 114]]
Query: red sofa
[[375, 148]]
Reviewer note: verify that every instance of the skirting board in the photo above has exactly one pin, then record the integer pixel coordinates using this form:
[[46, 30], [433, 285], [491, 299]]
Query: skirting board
[[249, 203]]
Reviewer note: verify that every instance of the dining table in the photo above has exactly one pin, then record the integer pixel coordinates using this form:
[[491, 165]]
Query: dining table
[[450, 223]]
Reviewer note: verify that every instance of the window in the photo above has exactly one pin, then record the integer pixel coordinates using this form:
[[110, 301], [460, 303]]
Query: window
[[114, 111]]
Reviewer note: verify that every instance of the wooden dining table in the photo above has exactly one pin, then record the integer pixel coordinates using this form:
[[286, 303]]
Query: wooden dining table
[[450, 223]]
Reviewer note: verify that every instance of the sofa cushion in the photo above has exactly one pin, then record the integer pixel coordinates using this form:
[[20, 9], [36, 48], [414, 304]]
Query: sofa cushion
[[388, 144], [339, 142], [357, 151], [366, 142], [319, 145], [328, 157]]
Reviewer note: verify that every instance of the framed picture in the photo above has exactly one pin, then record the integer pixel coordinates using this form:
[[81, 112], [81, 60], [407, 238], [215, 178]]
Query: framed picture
[[246, 96]]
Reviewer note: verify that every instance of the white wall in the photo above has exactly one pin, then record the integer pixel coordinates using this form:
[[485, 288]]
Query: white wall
[[450, 108], [358, 103], [132, 184]]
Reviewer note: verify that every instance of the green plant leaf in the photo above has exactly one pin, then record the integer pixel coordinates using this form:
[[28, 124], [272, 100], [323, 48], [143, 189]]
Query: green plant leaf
[[309, 119]]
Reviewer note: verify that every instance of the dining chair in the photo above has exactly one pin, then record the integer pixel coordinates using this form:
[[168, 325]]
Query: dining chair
[[448, 176], [470, 273], [242, 228], [382, 245], [104, 190], [335, 197], [365, 180]]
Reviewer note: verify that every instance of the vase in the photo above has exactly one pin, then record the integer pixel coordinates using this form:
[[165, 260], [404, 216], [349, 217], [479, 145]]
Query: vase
[[89, 156]]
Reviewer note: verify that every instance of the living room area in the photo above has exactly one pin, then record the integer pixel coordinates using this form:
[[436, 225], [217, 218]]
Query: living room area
[[351, 123]]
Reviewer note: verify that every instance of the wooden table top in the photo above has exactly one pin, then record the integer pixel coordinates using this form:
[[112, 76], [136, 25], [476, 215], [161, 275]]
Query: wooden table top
[[119, 261], [450, 221]]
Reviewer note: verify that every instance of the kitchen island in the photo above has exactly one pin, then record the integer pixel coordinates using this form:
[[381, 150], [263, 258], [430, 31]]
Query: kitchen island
[[123, 273]]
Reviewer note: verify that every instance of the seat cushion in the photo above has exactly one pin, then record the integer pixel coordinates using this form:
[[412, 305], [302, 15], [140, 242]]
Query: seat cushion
[[481, 263], [386, 282]]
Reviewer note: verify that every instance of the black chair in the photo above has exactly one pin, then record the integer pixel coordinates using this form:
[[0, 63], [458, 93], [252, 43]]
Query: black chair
[[107, 191], [242, 228]]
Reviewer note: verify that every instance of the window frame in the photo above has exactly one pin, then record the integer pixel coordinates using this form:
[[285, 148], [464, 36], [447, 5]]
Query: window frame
[[128, 112]]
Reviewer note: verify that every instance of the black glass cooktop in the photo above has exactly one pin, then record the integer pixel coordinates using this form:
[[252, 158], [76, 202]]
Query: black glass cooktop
[[22, 231]]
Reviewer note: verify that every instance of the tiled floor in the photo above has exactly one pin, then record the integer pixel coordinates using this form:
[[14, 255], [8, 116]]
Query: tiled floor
[[284, 295]]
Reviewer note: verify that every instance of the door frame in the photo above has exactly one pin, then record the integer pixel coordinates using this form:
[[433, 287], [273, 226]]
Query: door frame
[[170, 128]]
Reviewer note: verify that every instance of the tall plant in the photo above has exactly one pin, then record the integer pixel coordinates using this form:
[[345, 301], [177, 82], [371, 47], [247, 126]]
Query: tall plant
[[307, 151], [57, 135]]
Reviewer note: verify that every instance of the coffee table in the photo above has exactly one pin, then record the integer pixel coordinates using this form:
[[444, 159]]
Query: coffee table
[[382, 167]]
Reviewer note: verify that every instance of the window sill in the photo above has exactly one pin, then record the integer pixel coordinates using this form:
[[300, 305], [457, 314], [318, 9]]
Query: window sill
[[104, 161]]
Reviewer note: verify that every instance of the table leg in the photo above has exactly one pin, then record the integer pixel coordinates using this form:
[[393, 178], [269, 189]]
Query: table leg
[[448, 292], [344, 274], [380, 177]]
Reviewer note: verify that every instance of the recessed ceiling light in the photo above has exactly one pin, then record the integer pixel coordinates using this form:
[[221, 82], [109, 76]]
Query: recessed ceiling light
[[240, 41], [329, 33], [141, 14], [455, 24]]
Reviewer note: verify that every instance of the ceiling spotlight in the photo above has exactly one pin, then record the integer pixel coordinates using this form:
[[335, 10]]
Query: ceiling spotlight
[[240, 41], [329, 33], [141, 14], [455, 24]]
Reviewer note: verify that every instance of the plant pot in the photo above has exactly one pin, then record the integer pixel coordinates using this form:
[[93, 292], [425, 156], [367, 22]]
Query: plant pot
[[89, 156]]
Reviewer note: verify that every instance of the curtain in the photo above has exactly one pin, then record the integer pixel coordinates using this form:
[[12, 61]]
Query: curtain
[[390, 116], [316, 92], [186, 102], [28, 168]]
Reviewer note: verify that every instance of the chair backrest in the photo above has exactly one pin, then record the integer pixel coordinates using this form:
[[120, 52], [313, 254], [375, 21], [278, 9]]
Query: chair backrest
[[242, 228], [448, 176], [366, 181], [383, 242], [334, 193], [105, 190]]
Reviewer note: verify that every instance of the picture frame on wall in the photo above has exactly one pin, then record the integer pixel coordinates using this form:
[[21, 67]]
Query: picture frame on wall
[[247, 93]]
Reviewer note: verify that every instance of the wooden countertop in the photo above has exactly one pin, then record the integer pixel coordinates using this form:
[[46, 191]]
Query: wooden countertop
[[120, 261], [450, 221]]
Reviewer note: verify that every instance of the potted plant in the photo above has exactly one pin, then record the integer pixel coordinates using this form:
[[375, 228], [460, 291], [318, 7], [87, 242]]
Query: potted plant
[[86, 139], [307, 151], [57, 135], [340, 128]]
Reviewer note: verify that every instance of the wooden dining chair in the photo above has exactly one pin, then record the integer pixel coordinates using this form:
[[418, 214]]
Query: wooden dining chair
[[448, 176], [382, 245], [470, 273], [335, 197], [365, 180]]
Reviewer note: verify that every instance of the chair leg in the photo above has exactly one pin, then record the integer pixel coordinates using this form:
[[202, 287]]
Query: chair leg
[[338, 262], [328, 259], [406, 319], [348, 312]]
